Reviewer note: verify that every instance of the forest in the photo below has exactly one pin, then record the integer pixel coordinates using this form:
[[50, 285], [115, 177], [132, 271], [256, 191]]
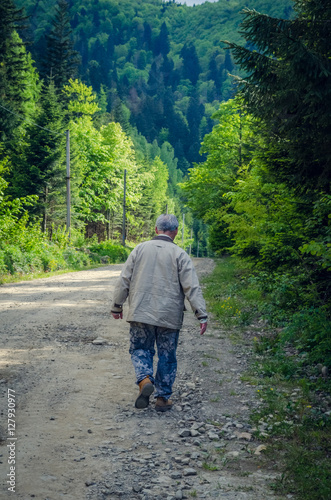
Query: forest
[[219, 113], [137, 85]]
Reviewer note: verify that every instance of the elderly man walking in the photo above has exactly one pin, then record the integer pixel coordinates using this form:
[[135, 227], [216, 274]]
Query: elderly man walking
[[157, 277]]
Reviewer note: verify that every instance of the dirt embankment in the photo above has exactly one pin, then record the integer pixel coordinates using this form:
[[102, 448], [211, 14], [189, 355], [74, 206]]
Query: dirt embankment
[[78, 435]]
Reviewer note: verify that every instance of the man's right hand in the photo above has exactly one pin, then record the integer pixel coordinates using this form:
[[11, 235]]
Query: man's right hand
[[203, 328], [117, 315]]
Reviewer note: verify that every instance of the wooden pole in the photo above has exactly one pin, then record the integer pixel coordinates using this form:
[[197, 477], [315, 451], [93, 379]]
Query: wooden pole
[[183, 229], [124, 207], [68, 183], [191, 238]]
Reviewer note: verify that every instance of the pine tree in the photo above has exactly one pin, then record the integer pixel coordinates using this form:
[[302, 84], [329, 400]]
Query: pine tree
[[39, 165], [166, 70], [13, 65], [195, 113], [228, 63], [61, 59], [147, 38], [162, 43], [191, 66], [288, 87]]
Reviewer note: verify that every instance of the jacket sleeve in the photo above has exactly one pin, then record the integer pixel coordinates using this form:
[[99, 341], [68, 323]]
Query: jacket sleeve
[[190, 283], [122, 286]]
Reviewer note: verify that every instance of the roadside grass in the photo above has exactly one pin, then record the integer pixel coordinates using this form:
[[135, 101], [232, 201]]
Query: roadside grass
[[229, 298], [18, 277], [46, 258], [286, 366]]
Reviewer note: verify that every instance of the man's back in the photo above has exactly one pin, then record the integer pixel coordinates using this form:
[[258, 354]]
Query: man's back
[[157, 276]]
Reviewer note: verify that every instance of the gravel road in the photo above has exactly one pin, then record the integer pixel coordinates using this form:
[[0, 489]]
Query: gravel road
[[77, 434]]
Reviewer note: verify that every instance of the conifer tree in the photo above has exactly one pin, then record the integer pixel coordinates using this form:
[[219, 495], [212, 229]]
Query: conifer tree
[[162, 44], [40, 168], [191, 65], [61, 59], [147, 38], [288, 86], [13, 64]]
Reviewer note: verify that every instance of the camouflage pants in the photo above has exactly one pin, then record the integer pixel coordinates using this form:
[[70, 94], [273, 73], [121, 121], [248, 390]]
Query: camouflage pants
[[142, 342]]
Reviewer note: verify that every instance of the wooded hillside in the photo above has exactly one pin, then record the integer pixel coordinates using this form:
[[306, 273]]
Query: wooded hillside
[[158, 66]]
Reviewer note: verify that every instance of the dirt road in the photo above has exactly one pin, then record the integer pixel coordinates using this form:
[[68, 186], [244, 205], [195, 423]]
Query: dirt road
[[77, 434]]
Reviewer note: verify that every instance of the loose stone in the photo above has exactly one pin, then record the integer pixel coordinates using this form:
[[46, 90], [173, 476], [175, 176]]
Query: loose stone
[[194, 433], [189, 472], [184, 433], [213, 435]]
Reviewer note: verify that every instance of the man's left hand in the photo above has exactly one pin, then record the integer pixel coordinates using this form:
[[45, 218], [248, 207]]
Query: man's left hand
[[203, 328], [117, 315]]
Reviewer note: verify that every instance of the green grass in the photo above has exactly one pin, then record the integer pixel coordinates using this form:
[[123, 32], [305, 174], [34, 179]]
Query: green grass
[[211, 356], [227, 294], [16, 278], [209, 467], [216, 399], [43, 258], [295, 398]]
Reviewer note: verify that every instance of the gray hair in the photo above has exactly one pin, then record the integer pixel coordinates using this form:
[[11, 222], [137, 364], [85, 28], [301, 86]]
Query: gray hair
[[167, 222]]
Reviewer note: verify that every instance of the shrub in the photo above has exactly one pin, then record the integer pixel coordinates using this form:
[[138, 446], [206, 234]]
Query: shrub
[[310, 332], [116, 253], [75, 259]]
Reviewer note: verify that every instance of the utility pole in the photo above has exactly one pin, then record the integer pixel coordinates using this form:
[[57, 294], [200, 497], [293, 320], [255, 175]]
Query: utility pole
[[191, 238], [240, 138], [68, 183], [124, 207]]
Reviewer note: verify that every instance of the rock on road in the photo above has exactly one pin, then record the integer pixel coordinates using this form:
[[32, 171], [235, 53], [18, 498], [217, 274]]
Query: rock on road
[[78, 435]]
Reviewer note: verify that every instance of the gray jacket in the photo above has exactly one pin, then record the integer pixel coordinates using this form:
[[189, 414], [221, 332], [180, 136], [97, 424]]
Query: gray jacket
[[157, 277]]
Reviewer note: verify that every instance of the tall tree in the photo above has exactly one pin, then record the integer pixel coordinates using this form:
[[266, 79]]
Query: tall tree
[[288, 86], [191, 65], [61, 59], [195, 113], [39, 163], [13, 64], [162, 43], [227, 148]]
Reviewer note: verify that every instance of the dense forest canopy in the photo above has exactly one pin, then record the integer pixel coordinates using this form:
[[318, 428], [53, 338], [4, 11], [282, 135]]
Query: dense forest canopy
[[161, 66]]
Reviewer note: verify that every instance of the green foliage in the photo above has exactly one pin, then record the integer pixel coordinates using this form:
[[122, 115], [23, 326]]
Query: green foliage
[[16, 73], [307, 460], [228, 296], [292, 416], [26, 250], [149, 55], [39, 159], [286, 86], [310, 332], [116, 253], [226, 147], [61, 59], [81, 100]]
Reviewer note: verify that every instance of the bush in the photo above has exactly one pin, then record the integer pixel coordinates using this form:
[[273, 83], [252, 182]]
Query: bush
[[15, 260], [116, 253], [75, 259], [310, 332]]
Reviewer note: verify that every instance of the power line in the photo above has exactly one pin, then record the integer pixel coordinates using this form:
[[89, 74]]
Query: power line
[[31, 121]]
